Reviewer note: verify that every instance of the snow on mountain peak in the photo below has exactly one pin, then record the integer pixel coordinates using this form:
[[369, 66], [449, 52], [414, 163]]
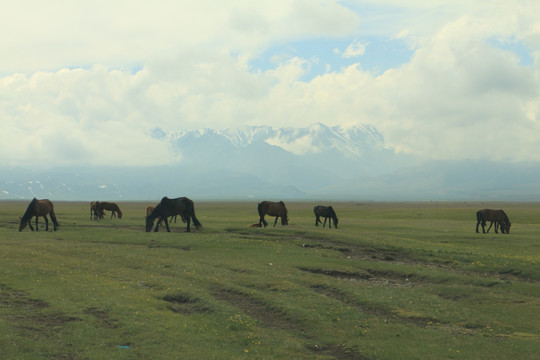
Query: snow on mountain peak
[[351, 141]]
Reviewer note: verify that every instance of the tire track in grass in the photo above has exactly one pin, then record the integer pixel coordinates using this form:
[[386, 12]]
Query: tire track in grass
[[275, 319]]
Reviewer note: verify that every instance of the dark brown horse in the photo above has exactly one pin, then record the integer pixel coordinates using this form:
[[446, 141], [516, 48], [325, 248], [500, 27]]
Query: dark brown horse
[[110, 206], [96, 211], [271, 208], [149, 210], [38, 208], [327, 212], [170, 207], [497, 217]]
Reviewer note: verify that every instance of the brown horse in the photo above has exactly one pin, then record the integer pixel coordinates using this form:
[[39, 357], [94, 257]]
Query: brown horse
[[170, 207], [149, 210], [38, 208], [96, 211], [326, 212], [497, 217], [113, 207], [271, 208]]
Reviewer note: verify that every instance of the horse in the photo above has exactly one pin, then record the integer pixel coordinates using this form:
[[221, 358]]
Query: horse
[[149, 209], [38, 208], [96, 210], [326, 212], [170, 207], [271, 208], [497, 217], [113, 207]]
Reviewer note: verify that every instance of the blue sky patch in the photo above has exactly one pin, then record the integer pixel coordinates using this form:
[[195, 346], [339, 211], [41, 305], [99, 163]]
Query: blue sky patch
[[374, 54], [515, 46]]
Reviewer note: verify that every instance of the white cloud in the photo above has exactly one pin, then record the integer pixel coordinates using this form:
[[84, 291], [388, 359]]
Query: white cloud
[[356, 48], [69, 92], [300, 146]]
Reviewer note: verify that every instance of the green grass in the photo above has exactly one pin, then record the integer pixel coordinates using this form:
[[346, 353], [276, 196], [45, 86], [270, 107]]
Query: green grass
[[395, 281]]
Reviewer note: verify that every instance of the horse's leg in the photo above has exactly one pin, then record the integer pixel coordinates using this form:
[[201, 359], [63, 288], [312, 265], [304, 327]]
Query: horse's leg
[[324, 222], [37, 217], [496, 227], [167, 224], [262, 221], [188, 221], [483, 223], [477, 223], [275, 222], [157, 225], [30, 224], [46, 223], [329, 223], [490, 225], [317, 221]]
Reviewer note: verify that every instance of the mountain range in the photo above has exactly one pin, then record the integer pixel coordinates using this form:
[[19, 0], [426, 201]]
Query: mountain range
[[314, 163]]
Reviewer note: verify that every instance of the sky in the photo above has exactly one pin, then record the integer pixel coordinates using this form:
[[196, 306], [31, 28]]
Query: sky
[[89, 83]]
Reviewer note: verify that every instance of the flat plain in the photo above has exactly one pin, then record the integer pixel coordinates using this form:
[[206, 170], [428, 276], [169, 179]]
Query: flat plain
[[394, 281]]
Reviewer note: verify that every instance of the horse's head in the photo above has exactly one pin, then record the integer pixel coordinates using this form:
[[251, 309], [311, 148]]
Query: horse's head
[[285, 220], [149, 224], [507, 226], [335, 221], [22, 224]]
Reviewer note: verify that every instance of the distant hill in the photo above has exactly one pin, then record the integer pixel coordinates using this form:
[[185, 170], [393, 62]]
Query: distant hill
[[318, 162]]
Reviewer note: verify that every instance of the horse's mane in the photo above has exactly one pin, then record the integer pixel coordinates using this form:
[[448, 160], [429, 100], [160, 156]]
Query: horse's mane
[[284, 207], [30, 210]]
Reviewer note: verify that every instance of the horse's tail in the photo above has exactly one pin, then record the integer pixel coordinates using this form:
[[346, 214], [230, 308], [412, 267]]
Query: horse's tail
[[191, 212], [53, 218], [284, 215], [261, 215]]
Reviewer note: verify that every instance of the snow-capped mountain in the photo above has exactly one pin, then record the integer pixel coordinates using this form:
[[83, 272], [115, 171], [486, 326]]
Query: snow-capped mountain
[[260, 162], [351, 141]]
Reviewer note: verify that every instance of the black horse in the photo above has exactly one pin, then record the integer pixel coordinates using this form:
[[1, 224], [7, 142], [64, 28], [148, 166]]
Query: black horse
[[326, 212], [169, 207], [497, 217], [38, 208], [271, 208]]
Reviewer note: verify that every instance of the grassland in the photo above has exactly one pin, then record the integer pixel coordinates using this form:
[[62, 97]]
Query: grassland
[[395, 281]]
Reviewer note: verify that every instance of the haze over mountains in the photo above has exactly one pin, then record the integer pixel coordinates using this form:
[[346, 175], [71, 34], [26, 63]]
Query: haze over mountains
[[256, 163]]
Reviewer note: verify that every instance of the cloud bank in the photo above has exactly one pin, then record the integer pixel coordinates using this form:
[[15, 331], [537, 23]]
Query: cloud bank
[[90, 83]]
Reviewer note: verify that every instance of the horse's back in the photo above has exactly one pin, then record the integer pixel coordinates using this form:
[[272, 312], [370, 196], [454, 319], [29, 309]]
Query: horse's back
[[272, 208], [44, 206], [324, 210]]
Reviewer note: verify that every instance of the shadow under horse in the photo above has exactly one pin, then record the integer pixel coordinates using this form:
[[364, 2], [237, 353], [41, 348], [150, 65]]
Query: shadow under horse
[[271, 208], [170, 207], [38, 208], [327, 212], [497, 217]]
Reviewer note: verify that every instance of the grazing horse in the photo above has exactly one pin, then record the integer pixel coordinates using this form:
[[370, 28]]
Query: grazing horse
[[96, 210], [149, 209], [170, 207], [113, 207], [497, 217], [38, 208], [326, 212], [271, 208]]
